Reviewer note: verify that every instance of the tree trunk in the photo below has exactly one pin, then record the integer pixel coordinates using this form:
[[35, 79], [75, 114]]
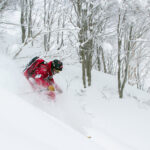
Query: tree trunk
[[89, 68], [103, 59], [22, 20], [30, 19], [119, 61], [98, 59], [83, 69]]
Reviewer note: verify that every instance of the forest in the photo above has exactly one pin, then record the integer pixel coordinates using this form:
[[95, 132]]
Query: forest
[[109, 36]]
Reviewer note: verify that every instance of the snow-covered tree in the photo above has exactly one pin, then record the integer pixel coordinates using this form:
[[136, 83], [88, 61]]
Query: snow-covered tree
[[130, 28], [26, 19]]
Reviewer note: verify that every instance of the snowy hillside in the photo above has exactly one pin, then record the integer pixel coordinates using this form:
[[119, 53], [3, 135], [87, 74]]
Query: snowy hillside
[[90, 119], [26, 127]]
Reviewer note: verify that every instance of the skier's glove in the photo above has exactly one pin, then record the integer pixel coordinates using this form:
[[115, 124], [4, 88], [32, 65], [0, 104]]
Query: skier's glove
[[51, 88]]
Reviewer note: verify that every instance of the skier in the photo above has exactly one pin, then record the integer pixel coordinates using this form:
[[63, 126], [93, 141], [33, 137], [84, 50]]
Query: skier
[[39, 72]]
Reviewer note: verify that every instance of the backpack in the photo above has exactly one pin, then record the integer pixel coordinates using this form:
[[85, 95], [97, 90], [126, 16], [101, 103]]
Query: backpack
[[32, 65]]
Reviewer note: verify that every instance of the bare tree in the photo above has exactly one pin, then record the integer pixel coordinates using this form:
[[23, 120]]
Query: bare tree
[[86, 14], [123, 43], [49, 19], [26, 19], [129, 30]]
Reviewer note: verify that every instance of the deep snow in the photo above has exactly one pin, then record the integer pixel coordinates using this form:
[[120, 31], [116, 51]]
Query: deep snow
[[32, 121]]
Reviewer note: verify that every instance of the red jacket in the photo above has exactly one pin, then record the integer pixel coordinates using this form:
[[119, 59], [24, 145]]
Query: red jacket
[[43, 74]]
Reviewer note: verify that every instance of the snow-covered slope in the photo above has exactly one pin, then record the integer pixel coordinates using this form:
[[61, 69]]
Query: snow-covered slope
[[25, 127], [32, 121]]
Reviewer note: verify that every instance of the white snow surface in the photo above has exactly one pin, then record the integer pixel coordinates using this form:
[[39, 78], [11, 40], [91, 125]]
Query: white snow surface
[[80, 119]]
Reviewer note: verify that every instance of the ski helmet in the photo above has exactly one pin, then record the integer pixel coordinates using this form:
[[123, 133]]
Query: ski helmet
[[57, 64]]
